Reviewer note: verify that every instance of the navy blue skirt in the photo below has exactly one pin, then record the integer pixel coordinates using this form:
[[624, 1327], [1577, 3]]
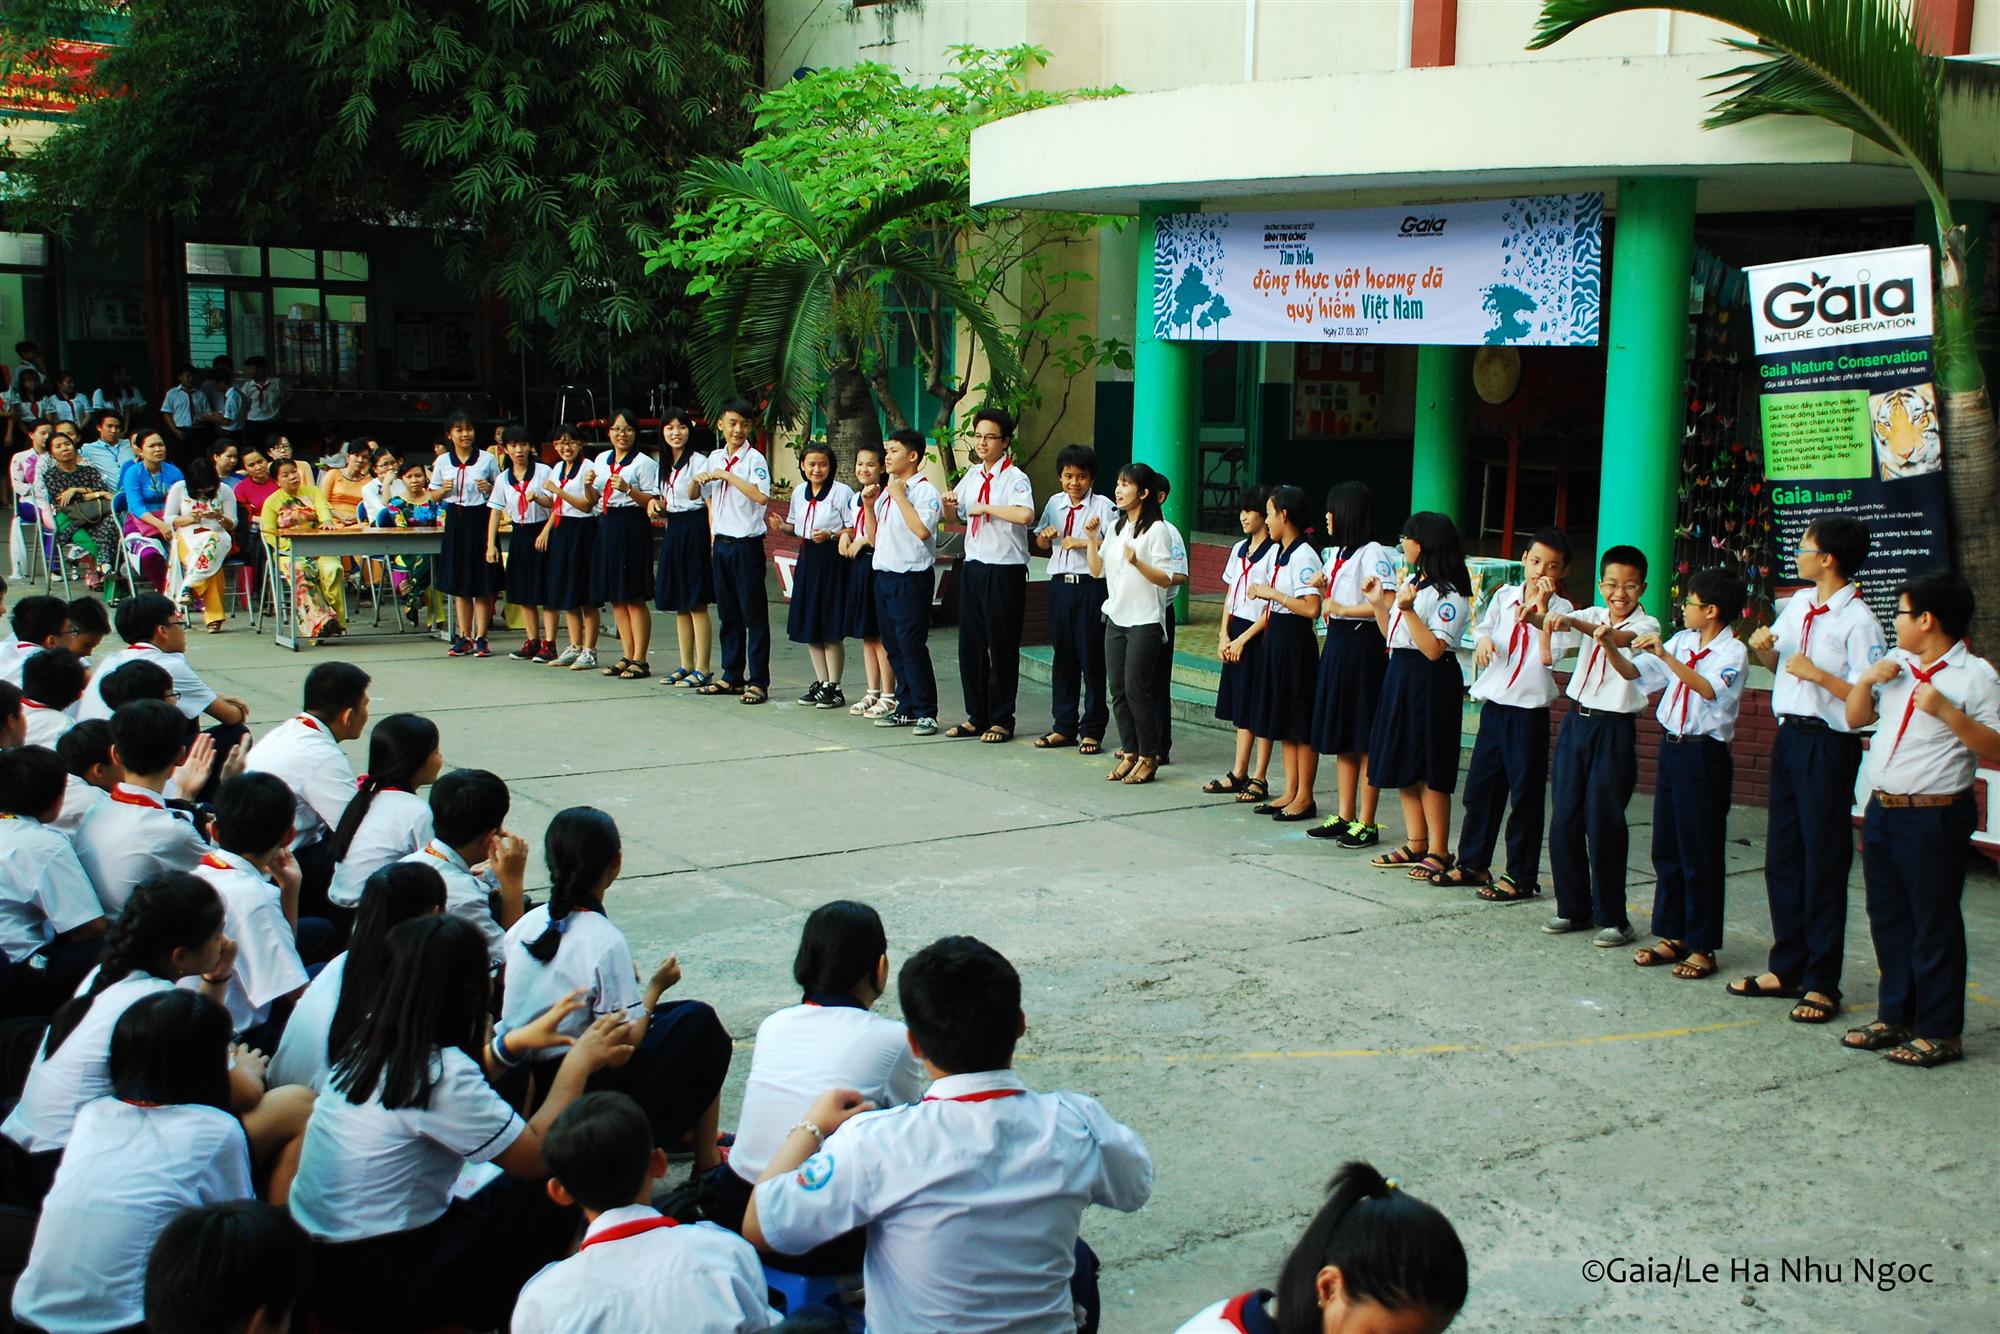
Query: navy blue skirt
[[462, 571], [686, 579], [860, 621], [1240, 679], [622, 568], [1416, 736], [1350, 685], [818, 613], [566, 574], [527, 573], [1281, 706]]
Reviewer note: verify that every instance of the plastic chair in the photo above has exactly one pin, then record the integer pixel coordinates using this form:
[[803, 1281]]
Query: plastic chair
[[792, 1293]]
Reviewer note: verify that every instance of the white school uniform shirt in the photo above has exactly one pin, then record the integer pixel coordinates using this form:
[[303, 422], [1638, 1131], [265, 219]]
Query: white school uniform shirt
[[14, 654], [674, 481], [302, 752], [1068, 518], [830, 513], [971, 1199], [638, 469], [46, 726], [1723, 664], [29, 410], [804, 1050], [1445, 614], [572, 482], [229, 401], [988, 540], [263, 402], [195, 693], [592, 955], [367, 1170], [461, 483], [373, 501], [1915, 753], [636, 1269], [519, 503], [78, 799], [1845, 639], [1516, 676], [1130, 598], [1344, 575], [267, 952], [59, 1086], [396, 825], [127, 1171], [897, 549], [1243, 568], [302, 1057], [735, 514], [465, 894], [75, 409], [43, 890], [131, 837], [185, 406], [1295, 572], [1595, 684], [118, 401]]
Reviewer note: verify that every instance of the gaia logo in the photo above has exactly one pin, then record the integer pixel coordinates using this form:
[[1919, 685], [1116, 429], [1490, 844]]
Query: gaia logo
[[1794, 304]]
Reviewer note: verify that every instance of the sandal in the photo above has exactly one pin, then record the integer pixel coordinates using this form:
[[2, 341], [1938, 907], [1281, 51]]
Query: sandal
[[1504, 890], [1143, 771], [1090, 745], [1875, 1037], [1216, 787], [1697, 966], [637, 671], [1429, 865], [1928, 1055], [718, 686], [1254, 790], [1402, 856], [1461, 877], [696, 680], [1810, 1011], [1053, 741], [616, 668], [755, 695], [1666, 951], [213, 627], [993, 736], [1125, 765], [1749, 986], [960, 731], [676, 676]]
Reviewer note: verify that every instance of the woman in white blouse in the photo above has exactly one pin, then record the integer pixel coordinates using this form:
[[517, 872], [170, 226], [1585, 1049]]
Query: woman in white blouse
[[1135, 561], [201, 514]]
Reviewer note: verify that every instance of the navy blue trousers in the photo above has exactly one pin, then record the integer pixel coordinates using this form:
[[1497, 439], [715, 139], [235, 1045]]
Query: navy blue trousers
[[1690, 824], [903, 608], [1076, 630], [1913, 859], [743, 605], [1808, 852], [991, 601], [1510, 762], [1596, 768]]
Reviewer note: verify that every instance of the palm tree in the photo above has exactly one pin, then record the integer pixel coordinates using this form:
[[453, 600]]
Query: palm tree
[[1858, 64], [797, 323]]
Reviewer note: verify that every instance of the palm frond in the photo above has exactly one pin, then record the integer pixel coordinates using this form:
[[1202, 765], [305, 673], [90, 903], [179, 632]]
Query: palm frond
[[712, 351], [785, 337], [914, 266], [883, 210], [757, 187]]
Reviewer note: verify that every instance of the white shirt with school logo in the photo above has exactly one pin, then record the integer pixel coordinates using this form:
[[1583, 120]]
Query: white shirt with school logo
[[58, 1086], [132, 836], [1516, 676], [735, 514], [804, 1050], [988, 540], [830, 513], [677, 479], [461, 482], [1295, 572], [518, 500], [396, 825], [302, 1057], [592, 956], [267, 950], [465, 894], [897, 549], [1442, 612], [972, 1200], [1243, 568], [43, 890], [1594, 683], [1915, 753], [195, 693], [1845, 639], [127, 1171], [186, 406], [302, 752], [638, 471], [636, 1270], [1724, 664], [1344, 575], [1070, 519], [369, 1170]]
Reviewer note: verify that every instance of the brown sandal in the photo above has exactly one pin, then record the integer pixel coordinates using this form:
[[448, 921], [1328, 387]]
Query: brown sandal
[[1125, 765], [1143, 771], [1695, 967], [1090, 745], [1664, 952]]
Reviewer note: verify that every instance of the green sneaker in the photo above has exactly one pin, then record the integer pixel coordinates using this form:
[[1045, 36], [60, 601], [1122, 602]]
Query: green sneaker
[[1359, 835], [1334, 827]]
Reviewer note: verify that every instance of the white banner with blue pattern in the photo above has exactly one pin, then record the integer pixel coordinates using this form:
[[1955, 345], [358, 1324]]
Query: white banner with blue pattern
[[1523, 272]]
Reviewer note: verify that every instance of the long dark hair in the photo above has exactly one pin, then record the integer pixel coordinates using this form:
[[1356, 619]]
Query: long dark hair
[[1147, 481], [434, 995], [1390, 1248], [171, 911], [172, 1048], [1441, 553], [839, 948], [398, 749], [668, 416], [389, 897], [832, 468], [1352, 508], [580, 846]]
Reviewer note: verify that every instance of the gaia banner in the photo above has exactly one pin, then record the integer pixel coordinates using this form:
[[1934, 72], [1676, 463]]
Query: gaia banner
[[1849, 407], [1499, 271]]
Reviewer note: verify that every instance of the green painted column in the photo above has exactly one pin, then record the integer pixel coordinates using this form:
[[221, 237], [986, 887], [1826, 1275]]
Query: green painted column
[[1645, 407], [1439, 453], [1166, 396]]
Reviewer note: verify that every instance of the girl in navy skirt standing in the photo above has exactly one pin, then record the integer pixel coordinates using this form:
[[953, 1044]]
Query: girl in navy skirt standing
[[1350, 667], [686, 582], [1281, 710], [822, 508], [461, 481], [1414, 746], [621, 572], [1240, 650], [569, 540], [526, 575], [880, 701]]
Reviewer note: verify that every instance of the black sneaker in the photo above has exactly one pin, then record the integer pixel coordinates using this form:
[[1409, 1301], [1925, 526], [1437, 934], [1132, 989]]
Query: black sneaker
[[811, 698], [546, 652], [831, 697], [529, 648], [1359, 835], [461, 647], [480, 648]]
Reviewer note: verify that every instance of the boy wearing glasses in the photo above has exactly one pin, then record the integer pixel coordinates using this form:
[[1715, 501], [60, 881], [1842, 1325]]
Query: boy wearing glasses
[[997, 504], [1826, 637], [1700, 672], [1596, 764]]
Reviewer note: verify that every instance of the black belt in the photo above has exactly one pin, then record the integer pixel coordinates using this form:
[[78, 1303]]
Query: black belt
[[1074, 579], [1677, 738], [724, 537], [1599, 713]]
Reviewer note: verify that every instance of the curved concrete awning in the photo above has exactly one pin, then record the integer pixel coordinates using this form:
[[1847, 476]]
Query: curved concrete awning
[[1408, 136]]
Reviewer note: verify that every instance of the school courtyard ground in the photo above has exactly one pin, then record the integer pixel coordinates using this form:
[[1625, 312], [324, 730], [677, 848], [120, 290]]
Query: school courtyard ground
[[1261, 1006]]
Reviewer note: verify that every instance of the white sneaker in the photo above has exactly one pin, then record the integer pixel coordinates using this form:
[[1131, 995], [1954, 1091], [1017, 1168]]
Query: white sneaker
[[584, 661], [925, 727], [883, 706], [865, 703], [567, 657]]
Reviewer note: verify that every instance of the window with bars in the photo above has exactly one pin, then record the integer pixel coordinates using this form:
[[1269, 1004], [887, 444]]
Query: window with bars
[[305, 311]]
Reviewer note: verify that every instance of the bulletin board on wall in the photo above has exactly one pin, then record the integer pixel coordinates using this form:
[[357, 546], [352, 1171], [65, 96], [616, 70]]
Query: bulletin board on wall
[[1337, 390], [437, 347]]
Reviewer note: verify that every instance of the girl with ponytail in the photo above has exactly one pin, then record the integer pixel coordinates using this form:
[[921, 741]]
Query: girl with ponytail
[[387, 820], [570, 947]]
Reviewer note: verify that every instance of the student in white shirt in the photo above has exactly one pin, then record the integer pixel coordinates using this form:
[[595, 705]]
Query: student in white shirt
[[1239, 646], [468, 818], [1700, 672], [997, 503], [621, 569], [903, 514], [1373, 1258], [65, 404], [263, 399], [27, 397], [821, 508], [239, 1267], [862, 622], [85, 751], [133, 834], [38, 622], [740, 478], [13, 716], [1078, 708], [831, 1039], [387, 820], [635, 1268], [52, 680], [165, 1141], [1351, 666], [684, 584], [1281, 704], [407, 1107], [462, 480], [152, 629], [51, 924], [571, 947], [184, 412], [1133, 560], [526, 577], [304, 750], [1939, 711], [972, 1198]]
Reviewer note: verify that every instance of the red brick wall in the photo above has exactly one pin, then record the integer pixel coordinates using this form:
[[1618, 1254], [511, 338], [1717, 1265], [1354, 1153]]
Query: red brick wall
[[1756, 732]]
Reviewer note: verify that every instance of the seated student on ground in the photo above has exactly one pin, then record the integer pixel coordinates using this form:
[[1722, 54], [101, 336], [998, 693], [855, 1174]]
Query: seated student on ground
[[37, 622], [85, 751], [335, 1001], [145, 680], [304, 750], [831, 1039], [468, 808], [154, 630], [406, 1108], [635, 1268], [387, 820], [52, 681], [89, 622], [1373, 1258], [13, 717], [235, 1268], [51, 924], [134, 835], [164, 1140], [972, 1198]]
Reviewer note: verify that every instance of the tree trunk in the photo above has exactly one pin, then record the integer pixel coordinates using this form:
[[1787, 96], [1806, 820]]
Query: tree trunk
[[1971, 445], [851, 420]]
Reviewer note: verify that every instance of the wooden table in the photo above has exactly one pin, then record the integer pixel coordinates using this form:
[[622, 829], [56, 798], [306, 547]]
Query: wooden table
[[381, 544]]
